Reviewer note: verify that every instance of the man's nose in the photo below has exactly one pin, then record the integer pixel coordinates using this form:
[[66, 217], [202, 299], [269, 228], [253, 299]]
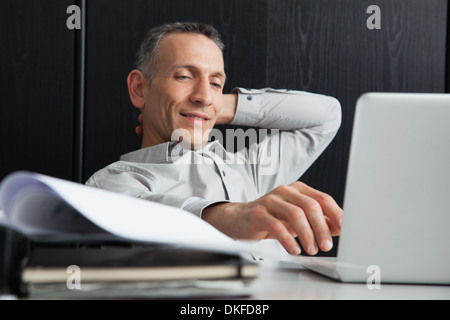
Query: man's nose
[[201, 94]]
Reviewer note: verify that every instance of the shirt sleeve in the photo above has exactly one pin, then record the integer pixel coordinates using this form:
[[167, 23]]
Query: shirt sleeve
[[128, 179], [302, 125]]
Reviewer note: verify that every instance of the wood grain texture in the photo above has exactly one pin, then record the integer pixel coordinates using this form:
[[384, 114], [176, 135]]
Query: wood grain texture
[[36, 91]]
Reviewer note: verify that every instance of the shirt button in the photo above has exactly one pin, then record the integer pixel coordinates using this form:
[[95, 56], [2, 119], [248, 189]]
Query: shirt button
[[223, 172], [249, 98]]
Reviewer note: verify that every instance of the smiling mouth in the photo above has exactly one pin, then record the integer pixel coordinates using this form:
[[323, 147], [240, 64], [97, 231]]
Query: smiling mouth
[[195, 117]]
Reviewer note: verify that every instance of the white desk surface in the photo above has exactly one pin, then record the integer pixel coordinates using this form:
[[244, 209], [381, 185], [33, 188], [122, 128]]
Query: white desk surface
[[285, 284]]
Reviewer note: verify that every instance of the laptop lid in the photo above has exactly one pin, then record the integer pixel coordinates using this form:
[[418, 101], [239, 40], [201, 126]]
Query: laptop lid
[[397, 197]]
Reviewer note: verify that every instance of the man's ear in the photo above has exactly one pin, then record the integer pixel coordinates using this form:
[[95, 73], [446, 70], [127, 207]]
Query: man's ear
[[136, 83]]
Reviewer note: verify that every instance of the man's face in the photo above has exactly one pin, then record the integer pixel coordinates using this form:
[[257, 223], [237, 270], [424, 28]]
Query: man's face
[[185, 96]]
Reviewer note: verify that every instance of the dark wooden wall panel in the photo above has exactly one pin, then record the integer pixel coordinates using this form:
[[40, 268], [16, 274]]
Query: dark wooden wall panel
[[115, 30], [325, 47], [36, 91]]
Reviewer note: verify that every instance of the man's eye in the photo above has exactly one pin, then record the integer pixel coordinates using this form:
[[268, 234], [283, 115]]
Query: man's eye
[[217, 85], [182, 77]]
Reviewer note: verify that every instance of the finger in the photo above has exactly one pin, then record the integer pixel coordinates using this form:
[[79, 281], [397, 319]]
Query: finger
[[335, 231], [295, 216], [329, 206], [290, 229], [316, 219], [311, 217], [139, 130], [277, 230], [141, 118]]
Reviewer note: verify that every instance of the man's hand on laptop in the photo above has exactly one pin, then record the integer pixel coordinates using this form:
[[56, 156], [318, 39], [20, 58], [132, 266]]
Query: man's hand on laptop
[[285, 213]]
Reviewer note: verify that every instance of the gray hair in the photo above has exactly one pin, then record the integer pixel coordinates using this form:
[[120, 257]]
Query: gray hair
[[148, 52]]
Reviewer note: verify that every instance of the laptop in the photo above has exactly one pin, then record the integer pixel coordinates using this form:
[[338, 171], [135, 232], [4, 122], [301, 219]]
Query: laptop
[[396, 223]]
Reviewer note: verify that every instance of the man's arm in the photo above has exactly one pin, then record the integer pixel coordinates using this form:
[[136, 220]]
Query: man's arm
[[302, 125], [288, 210]]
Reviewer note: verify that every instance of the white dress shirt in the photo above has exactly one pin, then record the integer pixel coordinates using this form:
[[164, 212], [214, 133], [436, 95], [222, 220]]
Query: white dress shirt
[[303, 124]]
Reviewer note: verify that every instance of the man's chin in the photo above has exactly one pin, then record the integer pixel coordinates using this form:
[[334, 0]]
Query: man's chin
[[191, 139], [193, 145]]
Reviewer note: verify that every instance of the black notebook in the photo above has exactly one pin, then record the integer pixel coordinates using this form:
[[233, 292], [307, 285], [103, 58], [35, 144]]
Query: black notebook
[[136, 263]]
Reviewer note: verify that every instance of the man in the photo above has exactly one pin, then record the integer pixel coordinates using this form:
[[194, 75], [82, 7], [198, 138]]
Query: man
[[178, 87]]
